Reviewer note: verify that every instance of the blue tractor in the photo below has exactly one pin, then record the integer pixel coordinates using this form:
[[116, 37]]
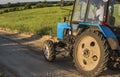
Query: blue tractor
[[92, 37]]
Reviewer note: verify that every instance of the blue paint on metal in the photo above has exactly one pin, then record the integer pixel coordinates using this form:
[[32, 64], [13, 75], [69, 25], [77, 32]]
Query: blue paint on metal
[[60, 29], [107, 32], [104, 29]]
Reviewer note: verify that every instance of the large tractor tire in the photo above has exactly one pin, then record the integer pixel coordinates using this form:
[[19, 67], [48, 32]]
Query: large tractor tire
[[114, 66], [90, 53], [48, 50]]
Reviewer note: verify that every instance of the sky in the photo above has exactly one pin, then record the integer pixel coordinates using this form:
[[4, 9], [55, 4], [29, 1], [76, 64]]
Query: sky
[[15, 1]]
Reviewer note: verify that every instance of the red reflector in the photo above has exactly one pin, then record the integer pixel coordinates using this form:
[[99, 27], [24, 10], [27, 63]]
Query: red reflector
[[104, 23]]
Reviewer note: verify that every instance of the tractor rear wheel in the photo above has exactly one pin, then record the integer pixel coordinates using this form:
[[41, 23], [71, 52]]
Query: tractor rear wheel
[[90, 53], [115, 66], [48, 50]]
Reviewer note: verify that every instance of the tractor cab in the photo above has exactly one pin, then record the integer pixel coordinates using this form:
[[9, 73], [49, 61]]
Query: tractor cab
[[104, 12], [88, 11]]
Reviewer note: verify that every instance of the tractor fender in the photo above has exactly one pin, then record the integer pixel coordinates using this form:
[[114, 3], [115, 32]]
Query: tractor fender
[[113, 42], [111, 37]]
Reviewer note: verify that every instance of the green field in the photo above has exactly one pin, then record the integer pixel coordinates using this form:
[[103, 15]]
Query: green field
[[40, 21], [117, 14]]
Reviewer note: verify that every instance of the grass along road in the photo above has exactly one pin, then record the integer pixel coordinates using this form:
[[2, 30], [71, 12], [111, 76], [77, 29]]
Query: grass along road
[[40, 21]]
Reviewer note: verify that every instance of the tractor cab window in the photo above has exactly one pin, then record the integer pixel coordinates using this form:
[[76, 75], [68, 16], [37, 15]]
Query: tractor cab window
[[95, 12], [114, 13], [79, 10]]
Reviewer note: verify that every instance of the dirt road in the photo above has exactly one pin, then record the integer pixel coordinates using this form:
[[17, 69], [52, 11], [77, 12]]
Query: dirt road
[[27, 63]]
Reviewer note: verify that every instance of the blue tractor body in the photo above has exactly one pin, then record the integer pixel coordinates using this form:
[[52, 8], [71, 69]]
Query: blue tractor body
[[106, 31], [60, 29]]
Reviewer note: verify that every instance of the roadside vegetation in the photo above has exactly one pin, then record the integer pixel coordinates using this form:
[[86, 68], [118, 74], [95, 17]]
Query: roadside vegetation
[[38, 21], [5, 8], [33, 17]]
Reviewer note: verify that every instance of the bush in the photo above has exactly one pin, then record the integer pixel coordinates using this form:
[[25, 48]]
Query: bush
[[67, 3], [1, 12], [50, 5], [11, 10], [39, 5], [58, 4], [43, 4], [20, 9], [6, 11], [17, 9], [28, 6]]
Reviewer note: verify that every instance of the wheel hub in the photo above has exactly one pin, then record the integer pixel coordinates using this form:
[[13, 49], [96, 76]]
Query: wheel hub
[[86, 53], [46, 51]]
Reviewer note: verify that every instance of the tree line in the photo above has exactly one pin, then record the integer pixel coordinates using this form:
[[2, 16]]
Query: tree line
[[9, 7]]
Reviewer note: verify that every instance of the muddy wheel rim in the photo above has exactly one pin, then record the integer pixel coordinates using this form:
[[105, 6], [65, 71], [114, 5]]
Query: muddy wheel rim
[[46, 51], [88, 53]]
